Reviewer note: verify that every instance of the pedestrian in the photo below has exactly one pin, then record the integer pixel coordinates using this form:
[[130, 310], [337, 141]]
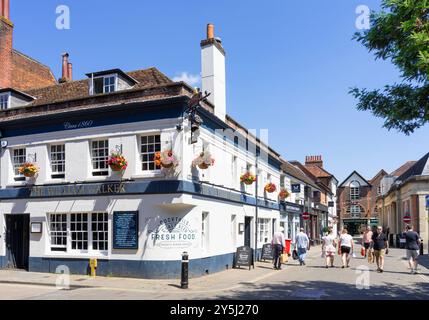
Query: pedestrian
[[278, 243], [346, 247], [329, 242], [302, 243], [380, 246], [366, 239], [412, 245]]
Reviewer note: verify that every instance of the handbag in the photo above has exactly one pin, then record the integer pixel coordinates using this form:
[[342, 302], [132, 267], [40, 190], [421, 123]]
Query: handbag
[[284, 258], [362, 252], [295, 255]]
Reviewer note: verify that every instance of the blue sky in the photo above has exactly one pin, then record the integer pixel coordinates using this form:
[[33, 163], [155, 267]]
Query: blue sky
[[290, 65]]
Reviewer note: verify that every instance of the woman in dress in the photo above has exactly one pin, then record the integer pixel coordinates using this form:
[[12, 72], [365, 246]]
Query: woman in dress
[[328, 247]]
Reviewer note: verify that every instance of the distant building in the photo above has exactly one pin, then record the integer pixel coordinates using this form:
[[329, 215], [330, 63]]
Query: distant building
[[405, 193]]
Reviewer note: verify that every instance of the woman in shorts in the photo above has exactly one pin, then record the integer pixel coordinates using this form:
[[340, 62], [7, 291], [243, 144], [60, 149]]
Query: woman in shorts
[[328, 248], [346, 248]]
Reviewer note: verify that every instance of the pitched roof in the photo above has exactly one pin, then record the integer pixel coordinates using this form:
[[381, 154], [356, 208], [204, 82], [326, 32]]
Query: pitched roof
[[318, 171], [416, 170], [80, 89], [402, 169], [297, 173], [315, 179], [351, 174], [380, 173]]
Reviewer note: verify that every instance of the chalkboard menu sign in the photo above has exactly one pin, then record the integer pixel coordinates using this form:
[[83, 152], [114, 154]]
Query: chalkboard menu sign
[[267, 252], [244, 257], [126, 230]]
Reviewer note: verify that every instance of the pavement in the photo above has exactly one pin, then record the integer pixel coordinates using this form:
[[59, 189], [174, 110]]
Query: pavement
[[313, 281]]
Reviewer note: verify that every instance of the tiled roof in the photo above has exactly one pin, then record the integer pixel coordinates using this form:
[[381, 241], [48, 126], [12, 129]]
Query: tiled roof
[[297, 173], [80, 89], [318, 171], [402, 169], [415, 170]]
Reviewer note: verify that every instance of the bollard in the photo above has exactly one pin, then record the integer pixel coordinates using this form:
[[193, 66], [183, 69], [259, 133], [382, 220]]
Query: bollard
[[93, 266], [185, 271], [421, 247]]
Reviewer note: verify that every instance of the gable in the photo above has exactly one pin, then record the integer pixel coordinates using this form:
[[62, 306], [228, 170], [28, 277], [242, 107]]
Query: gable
[[355, 176]]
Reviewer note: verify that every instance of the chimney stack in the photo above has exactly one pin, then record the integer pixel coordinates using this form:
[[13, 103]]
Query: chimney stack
[[70, 71], [213, 72], [6, 45], [5, 9], [314, 161], [67, 69]]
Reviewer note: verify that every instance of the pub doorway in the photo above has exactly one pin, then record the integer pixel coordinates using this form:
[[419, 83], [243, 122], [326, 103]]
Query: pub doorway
[[17, 241]]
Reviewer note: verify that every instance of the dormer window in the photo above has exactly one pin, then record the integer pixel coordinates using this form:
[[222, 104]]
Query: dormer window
[[104, 84], [109, 81], [11, 98], [4, 101]]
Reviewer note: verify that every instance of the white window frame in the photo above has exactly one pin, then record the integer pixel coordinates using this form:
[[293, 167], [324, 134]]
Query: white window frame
[[89, 234], [58, 232], [56, 163], [103, 171], [5, 103], [355, 190], [264, 226], [150, 155], [104, 77], [234, 230], [17, 165]]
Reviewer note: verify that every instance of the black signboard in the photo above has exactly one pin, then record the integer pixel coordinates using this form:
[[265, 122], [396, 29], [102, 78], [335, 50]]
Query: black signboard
[[244, 258], [331, 204], [296, 188], [267, 252], [126, 230]]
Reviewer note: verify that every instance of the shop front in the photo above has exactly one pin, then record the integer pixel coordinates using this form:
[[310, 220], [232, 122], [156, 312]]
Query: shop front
[[291, 219], [356, 227]]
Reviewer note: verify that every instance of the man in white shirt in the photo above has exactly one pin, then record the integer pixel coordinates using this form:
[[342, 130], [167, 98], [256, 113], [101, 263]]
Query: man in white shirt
[[278, 244]]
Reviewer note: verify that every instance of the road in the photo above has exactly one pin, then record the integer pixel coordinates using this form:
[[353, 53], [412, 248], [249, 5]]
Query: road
[[294, 282]]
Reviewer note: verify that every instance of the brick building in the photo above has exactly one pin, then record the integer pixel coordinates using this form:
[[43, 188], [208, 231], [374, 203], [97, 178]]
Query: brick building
[[27, 72]]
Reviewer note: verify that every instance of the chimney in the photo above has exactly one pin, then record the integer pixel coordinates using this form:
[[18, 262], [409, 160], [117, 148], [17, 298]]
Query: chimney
[[66, 69], [6, 45], [213, 71], [70, 71], [314, 161]]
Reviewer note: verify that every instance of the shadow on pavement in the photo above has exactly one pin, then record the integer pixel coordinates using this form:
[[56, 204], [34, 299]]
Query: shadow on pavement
[[322, 290]]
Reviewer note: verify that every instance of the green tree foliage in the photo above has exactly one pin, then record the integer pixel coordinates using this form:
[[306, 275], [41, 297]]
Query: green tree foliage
[[400, 33]]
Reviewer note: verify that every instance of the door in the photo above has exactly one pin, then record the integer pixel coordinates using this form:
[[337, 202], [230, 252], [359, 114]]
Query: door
[[247, 231], [17, 241]]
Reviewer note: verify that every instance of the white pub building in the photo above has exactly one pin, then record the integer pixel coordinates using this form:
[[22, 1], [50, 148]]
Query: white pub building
[[105, 168]]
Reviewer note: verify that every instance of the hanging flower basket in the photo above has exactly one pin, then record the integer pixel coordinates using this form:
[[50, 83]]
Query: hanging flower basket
[[29, 170], [248, 178], [283, 194], [204, 161], [270, 188], [117, 162], [165, 159]]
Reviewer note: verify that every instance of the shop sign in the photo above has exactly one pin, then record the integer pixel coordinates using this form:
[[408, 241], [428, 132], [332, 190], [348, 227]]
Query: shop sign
[[296, 188], [77, 190], [172, 233]]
